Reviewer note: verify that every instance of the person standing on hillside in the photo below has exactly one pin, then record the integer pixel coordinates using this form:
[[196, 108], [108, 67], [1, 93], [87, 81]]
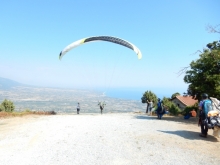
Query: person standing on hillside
[[150, 107], [78, 108], [101, 106], [206, 104], [159, 109]]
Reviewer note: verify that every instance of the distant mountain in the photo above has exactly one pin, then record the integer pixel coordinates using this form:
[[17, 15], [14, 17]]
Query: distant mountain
[[7, 83]]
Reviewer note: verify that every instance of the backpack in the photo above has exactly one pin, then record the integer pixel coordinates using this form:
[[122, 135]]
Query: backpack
[[206, 107], [160, 107]]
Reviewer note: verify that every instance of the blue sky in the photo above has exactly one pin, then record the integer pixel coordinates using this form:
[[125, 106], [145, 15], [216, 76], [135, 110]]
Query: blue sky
[[167, 32]]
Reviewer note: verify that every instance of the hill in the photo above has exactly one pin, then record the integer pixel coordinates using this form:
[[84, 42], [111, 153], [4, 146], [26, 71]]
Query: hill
[[7, 83]]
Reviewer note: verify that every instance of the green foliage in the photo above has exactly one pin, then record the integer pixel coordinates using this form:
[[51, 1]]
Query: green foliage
[[190, 108], [174, 95], [169, 105], [166, 102], [174, 110], [204, 75], [148, 95], [8, 106], [27, 110], [2, 108]]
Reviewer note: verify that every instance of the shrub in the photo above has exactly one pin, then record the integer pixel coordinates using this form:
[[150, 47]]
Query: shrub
[[52, 113], [174, 110], [27, 110], [189, 108], [44, 112], [8, 105], [2, 108]]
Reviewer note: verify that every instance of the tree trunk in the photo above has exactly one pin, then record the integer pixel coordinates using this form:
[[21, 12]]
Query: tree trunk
[[147, 108]]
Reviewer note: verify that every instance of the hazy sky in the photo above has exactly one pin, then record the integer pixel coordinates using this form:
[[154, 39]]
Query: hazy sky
[[168, 32]]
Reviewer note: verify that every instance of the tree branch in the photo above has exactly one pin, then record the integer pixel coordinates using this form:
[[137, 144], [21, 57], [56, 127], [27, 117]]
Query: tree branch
[[198, 51], [183, 70], [213, 29]]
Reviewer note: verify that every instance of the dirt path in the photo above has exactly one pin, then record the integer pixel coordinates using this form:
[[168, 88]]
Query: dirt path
[[125, 138]]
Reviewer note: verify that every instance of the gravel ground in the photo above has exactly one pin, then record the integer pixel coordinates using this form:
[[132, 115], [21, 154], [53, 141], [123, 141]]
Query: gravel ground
[[108, 139]]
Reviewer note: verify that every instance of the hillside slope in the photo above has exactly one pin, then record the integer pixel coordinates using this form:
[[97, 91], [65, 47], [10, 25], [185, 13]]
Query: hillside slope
[[7, 83]]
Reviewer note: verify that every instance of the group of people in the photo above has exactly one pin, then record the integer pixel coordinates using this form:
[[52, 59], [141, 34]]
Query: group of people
[[100, 104], [204, 108], [160, 111]]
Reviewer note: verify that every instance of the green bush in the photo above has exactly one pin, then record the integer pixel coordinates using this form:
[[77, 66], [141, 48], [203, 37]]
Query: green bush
[[189, 108], [27, 110], [8, 106], [2, 108], [174, 110]]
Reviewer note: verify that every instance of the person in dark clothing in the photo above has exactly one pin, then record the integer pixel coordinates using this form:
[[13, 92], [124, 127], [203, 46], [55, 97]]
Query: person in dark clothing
[[78, 108], [203, 115], [101, 106], [159, 109]]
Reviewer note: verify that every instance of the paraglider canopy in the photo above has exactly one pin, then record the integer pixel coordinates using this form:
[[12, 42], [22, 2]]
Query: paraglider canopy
[[101, 38]]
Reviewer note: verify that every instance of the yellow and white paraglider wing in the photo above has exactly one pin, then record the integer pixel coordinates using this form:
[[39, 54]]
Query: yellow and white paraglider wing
[[101, 38], [137, 51], [71, 46]]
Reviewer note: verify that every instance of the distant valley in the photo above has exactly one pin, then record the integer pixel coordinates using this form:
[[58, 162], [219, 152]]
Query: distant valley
[[62, 100]]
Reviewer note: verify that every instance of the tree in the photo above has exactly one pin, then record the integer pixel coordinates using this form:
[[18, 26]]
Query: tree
[[174, 95], [166, 101], [8, 106], [169, 105], [204, 75], [147, 96]]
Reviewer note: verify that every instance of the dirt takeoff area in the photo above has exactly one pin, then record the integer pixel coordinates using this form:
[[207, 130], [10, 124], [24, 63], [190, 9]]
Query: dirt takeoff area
[[107, 139]]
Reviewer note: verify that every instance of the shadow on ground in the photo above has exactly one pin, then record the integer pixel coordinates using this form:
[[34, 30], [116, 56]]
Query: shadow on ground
[[191, 135], [193, 120], [183, 133]]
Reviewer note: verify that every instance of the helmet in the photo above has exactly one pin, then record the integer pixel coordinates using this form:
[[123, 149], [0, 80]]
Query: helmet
[[205, 96], [158, 99]]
